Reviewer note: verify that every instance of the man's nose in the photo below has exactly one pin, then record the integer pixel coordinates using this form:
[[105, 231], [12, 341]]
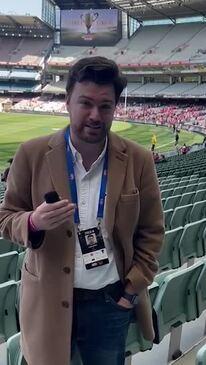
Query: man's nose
[[95, 114]]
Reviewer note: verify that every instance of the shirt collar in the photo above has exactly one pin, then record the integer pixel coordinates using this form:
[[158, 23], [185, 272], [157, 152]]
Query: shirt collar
[[78, 158]]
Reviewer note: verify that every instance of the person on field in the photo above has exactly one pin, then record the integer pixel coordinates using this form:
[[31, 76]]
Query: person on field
[[153, 142], [74, 294]]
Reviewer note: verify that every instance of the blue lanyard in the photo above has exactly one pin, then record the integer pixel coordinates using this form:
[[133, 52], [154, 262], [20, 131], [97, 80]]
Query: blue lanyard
[[73, 186]]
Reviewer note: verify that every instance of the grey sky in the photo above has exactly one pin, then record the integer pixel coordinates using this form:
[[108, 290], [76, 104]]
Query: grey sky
[[21, 7]]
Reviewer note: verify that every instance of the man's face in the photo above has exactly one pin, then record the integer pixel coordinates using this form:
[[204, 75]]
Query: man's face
[[91, 108]]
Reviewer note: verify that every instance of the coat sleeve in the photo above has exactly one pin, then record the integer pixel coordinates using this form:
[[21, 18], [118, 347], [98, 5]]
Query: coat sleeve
[[17, 203], [148, 237]]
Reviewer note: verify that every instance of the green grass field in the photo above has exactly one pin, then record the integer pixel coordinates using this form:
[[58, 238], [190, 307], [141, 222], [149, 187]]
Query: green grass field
[[16, 128]]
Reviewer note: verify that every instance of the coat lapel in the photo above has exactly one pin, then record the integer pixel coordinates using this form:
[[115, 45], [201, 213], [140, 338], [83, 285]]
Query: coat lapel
[[116, 175], [56, 158]]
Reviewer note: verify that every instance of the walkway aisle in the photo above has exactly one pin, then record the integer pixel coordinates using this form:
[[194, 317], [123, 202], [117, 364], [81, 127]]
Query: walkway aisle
[[192, 334]]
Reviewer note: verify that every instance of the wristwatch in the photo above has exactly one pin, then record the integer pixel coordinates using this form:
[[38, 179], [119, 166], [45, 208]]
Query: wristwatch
[[132, 298]]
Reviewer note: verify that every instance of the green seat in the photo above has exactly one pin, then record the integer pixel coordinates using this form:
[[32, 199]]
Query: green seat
[[201, 291], [180, 216], [190, 187], [175, 302], [172, 202], [186, 198], [200, 195], [191, 242], [201, 356], [201, 185], [202, 179], [166, 193], [14, 351], [5, 246], [8, 265], [169, 256], [179, 190], [8, 318], [167, 217], [198, 211]]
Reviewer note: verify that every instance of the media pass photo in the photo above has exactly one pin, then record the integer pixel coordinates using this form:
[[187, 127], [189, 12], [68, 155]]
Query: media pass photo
[[93, 248]]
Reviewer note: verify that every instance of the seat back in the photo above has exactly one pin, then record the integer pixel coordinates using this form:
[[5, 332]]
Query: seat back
[[8, 265], [175, 302], [169, 256], [8, 317], [191, 243], [180, 216], [198, 211]]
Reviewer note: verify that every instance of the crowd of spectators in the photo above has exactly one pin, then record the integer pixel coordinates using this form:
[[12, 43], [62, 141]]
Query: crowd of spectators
[[170, 115], [40, 104], [164, 115]]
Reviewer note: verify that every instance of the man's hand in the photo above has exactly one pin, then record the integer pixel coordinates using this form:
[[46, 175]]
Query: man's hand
[[125, 303], [50, 216]]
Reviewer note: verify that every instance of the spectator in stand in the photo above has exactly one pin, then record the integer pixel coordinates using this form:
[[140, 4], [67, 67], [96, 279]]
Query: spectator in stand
[[184, 149]]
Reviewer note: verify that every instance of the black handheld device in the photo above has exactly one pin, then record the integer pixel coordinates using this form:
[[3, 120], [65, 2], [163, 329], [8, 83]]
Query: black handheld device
[[51, 197]]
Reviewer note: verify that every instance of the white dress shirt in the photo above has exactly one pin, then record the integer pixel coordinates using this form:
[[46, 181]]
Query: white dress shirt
[[88, 187]]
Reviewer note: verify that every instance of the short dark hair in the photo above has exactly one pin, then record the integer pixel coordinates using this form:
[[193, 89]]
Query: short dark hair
[[99, 70]]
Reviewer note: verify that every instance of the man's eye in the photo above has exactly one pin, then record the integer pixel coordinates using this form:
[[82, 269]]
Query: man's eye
[[106, 106], [85, 103]]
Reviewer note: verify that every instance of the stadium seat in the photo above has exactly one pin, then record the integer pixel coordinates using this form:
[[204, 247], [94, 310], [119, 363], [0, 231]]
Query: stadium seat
[[14, 354], [191, 241], [201, 291], [200, 195], [169, 256], [186, 198], [8, 318], [198, 211], [179, 190], [8, 265], [201, 356], [172, 202], [175, 302], [166, 193], [167, 217], [5, 246], [190, 187], [180, 216]]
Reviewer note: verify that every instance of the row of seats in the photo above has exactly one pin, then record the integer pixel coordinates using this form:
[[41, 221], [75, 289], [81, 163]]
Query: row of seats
[[175, 187], [177, 296], [182, 215], [183, 244], [171, 202]]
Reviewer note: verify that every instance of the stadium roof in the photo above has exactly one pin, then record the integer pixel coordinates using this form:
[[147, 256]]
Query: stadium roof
[[22, 22], [143, 9]]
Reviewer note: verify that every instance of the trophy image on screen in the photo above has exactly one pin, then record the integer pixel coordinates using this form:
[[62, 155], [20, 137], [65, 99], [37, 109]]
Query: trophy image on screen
[[89, 19]]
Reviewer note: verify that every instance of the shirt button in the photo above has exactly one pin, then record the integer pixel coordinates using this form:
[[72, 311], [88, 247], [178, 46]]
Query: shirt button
[[69, 234], [67, 270], [83, 202], [65, 304]]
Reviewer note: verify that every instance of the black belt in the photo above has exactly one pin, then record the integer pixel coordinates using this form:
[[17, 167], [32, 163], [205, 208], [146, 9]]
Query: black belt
[[114, 290]]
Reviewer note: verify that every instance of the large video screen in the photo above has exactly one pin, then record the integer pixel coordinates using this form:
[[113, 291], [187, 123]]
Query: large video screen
[[96, 27]]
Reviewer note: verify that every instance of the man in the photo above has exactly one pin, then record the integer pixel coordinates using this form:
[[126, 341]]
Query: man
[[72, 296], [153, 142]]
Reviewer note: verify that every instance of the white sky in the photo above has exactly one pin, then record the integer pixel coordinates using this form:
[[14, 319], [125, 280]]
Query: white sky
[[21, 7]]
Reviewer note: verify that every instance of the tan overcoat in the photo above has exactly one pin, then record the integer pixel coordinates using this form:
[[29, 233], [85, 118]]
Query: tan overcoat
[[133, 218]]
